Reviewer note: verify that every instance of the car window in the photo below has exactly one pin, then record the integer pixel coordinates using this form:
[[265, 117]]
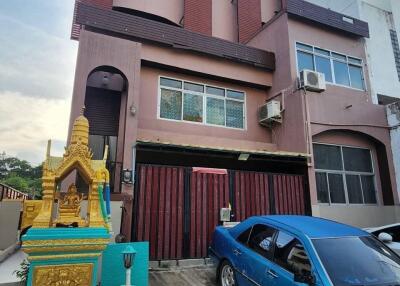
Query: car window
[[261, 240], [352, 261], [244, 236], [394, 231], [291, 255]]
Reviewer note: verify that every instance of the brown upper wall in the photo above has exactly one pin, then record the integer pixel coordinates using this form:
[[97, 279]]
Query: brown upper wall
[[145, 30], [249, 18], [104, 4], [198, 16]]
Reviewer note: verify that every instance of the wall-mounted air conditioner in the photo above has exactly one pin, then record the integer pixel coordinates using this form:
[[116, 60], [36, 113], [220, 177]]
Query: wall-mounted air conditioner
[[271, 111], [312, 80]]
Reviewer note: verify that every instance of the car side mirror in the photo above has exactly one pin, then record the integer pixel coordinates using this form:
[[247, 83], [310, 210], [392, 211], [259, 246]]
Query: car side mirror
[[385, 237], [306, 278]]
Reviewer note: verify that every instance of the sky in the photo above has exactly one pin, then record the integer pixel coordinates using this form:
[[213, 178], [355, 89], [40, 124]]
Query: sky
[[37, 65]]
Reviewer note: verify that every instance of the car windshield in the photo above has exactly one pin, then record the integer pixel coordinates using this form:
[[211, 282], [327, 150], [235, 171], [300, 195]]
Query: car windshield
[[358, 261]]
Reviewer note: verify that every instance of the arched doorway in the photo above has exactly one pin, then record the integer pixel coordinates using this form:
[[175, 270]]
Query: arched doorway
[[105, 97]]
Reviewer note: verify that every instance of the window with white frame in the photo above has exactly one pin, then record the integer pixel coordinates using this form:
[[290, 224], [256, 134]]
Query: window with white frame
[[201, 103], [337, 68], [344, 175]]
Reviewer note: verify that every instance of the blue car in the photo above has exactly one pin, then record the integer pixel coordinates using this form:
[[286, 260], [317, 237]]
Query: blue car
[[301, 250]]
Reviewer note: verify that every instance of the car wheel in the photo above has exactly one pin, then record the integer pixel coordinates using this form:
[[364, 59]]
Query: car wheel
[[226, 275]]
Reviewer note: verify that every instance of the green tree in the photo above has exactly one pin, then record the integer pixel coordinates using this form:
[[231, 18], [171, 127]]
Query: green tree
[[19, 183], [21, 175]]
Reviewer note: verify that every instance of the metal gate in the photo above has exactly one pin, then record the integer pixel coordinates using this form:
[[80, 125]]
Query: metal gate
[[208, 194], [177, 210], [158, 210]]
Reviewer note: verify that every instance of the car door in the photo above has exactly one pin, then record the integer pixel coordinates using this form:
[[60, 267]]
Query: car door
[[290, 256], [254, 256]]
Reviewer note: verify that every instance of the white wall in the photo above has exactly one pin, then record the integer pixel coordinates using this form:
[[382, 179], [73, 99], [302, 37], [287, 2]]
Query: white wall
[[380, 57], [359, 215], [347, 7], [9, 217]]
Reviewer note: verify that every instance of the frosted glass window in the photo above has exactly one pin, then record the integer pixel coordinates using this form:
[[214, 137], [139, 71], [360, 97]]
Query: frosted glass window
[[195, 102], [171, 104], [234, 114], [193, 107], [215, 111]]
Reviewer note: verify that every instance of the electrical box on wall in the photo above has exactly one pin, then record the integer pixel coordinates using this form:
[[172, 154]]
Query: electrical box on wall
[[271, 111], [225, 214]]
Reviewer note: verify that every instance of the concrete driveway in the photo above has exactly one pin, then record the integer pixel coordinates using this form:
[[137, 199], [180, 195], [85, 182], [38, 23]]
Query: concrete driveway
[[200, 275]]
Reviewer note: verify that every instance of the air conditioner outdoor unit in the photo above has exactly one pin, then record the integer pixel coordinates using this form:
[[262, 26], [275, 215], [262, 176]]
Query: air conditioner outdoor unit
[[312, 80], [271, 111]]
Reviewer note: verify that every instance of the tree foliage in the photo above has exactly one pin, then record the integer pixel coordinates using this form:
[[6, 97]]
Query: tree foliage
[[21, 175]]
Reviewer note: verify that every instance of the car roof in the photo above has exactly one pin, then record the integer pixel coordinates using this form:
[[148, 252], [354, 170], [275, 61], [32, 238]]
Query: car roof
[[383, 227], [314, 227]]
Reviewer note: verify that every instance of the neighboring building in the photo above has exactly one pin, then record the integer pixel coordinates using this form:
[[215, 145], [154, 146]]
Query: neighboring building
[[174, 89]]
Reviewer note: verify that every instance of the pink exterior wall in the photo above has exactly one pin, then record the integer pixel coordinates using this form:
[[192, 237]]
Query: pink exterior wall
[[339, 107], [152, 128], [99, 50], [171, 9], [309, 114], [291, 134], [224, 20], [267, 40], [268, 9]]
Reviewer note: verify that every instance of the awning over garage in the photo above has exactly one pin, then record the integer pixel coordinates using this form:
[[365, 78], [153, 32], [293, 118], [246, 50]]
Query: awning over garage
[[226, 150]]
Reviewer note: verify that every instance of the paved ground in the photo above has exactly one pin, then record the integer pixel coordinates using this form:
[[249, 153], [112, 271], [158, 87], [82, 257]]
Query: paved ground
[[200, 275], [193, 276], [8, 266]]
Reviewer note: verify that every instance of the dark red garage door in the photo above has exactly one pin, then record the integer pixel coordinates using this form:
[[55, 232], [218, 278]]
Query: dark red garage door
[[177, 210]]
